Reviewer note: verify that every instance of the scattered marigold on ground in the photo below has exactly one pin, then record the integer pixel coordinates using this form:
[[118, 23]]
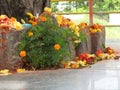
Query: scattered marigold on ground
[[19, 70]]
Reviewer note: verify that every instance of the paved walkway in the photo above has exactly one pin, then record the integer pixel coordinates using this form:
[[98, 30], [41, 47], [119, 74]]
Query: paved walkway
[[104, 75]]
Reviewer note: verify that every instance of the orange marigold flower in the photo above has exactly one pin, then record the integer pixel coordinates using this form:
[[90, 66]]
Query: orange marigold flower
[[43, 18], [23, 53], [13, 19], [33, 22], [57, 47], [30, 34], [110, 51], [83, 24]]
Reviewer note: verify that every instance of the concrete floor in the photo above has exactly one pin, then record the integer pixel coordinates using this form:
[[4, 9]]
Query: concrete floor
[[104, 75]]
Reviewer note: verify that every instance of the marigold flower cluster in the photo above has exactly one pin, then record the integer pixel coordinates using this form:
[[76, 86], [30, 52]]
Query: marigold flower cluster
[[9, 23]]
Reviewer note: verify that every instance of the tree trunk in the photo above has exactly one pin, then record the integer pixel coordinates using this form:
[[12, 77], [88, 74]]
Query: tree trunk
[[35, 6], [18, 8], [5, 8]]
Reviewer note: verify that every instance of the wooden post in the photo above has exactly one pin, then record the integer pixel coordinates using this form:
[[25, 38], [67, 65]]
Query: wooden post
[[91, 12]]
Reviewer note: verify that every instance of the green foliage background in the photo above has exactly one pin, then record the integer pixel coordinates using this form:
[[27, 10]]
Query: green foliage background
[[83, 5]]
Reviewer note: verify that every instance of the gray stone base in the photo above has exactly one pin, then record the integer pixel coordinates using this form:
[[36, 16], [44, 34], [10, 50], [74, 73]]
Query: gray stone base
[[9, 59]]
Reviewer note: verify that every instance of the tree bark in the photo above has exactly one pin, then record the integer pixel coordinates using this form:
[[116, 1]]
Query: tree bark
[[35, 6], [18, 8], [5, 7]]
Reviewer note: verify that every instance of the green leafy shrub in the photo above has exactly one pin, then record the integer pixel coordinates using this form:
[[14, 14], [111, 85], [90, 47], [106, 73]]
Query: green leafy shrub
[[39, 41]]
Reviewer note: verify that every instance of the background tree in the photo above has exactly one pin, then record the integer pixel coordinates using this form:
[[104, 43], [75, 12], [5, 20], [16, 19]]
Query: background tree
[[4, 7], [106, 5], [83, 5], [18, 8]]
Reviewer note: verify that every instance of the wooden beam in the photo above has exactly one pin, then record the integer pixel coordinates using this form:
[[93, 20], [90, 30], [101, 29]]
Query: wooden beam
[[111, 25], [61, 0], [91, 12], [67, 13]]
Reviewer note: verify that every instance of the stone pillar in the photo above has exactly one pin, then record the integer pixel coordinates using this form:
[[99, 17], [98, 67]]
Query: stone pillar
[[71, 50], [97, 41], [8, 50], [84, 47]]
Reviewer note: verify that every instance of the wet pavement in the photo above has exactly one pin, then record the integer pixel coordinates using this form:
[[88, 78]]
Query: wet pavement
[[104, 75]]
